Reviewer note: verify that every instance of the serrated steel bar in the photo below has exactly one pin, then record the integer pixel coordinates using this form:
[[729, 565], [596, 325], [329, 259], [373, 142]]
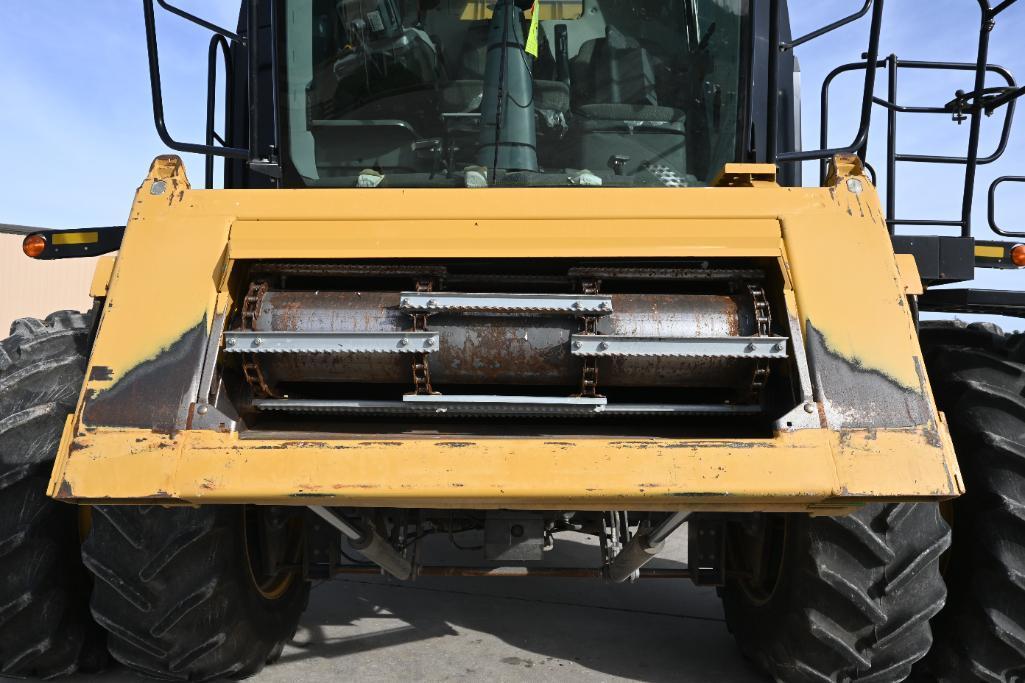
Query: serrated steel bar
[[331, 342], [678, 347], [429, 302], [488, 399], [534, 407]]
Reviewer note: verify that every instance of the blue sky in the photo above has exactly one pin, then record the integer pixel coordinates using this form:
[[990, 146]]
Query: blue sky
[[77, 134]]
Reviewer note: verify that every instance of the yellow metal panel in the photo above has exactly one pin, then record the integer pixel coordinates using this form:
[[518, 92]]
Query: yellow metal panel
[[907, 267], [847, 285], [632, 205], [101, 276], [746, 175], [795, 471], [831, 242], [468, 237], [163, 284]]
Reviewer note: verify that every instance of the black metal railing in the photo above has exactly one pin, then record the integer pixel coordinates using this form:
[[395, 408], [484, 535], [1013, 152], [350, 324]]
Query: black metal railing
[[992, 209], [893, 65], [970, 106], [860, 144], [218, 42], [258, 153]]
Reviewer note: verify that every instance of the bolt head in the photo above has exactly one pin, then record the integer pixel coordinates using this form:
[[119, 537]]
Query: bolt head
[[603, 345], [203, 410], [258, 342], [231, 341], [403, 342], [429, 341], [405, 302], [854, 185], [432, 303], [777, 347], [750, 348], [809, 407], [577, 345], [576, 305]]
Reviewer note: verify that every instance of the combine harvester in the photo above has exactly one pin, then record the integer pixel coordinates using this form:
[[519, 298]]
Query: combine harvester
[[523, 270]]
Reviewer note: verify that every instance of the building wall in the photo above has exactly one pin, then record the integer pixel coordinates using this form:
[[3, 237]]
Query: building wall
[[30, 288]]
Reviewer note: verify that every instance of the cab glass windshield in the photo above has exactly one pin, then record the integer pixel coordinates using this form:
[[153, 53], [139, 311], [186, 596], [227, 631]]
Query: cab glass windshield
[[451, 93]]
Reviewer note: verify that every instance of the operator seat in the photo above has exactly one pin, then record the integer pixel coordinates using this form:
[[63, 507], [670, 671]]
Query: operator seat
[[464, 93], [617, 112]]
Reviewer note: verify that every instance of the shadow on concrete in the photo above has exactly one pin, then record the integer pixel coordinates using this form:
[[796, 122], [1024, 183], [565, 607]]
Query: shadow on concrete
[[525, 628], [370, 628]]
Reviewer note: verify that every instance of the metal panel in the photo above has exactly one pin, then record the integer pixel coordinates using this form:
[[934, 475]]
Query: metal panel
[[575, 304], [498, 406], [331, 342], [798, 470], [695, 347]]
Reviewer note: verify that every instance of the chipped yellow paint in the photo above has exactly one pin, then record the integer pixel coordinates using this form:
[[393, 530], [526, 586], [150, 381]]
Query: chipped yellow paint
[[795, 471], [848, 286], [164, 280], [176, 264]]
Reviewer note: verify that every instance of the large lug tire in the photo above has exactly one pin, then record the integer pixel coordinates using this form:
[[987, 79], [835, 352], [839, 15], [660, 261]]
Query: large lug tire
[[841, 598], [177, 593], [978, 377], [45, 627]]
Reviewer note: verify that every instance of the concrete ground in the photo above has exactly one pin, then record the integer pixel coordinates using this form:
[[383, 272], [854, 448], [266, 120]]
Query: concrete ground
[[367, 628]]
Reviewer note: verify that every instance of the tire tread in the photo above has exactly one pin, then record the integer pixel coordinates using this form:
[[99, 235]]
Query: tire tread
[[45, 627], [978, 376]]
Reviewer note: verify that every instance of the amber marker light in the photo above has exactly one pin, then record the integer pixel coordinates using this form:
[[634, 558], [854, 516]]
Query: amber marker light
[[34, 246], [1018, 255]]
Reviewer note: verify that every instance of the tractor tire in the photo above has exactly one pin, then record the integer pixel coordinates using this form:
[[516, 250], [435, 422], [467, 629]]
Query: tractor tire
[[978, 377], [845, 598], [45, 627], [176, 592]]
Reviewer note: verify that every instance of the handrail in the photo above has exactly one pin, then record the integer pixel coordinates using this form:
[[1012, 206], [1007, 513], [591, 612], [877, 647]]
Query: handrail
[[992, 207], [202, 22], [860, 144], [818, 33], [217, 41], [971, 106], [158, 100], [893, 107]]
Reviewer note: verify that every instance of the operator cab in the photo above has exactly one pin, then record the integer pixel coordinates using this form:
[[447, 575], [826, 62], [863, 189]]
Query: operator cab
[[618, 92]]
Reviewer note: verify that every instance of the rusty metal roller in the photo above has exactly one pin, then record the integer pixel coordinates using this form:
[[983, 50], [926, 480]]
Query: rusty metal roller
[[512, 349]]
